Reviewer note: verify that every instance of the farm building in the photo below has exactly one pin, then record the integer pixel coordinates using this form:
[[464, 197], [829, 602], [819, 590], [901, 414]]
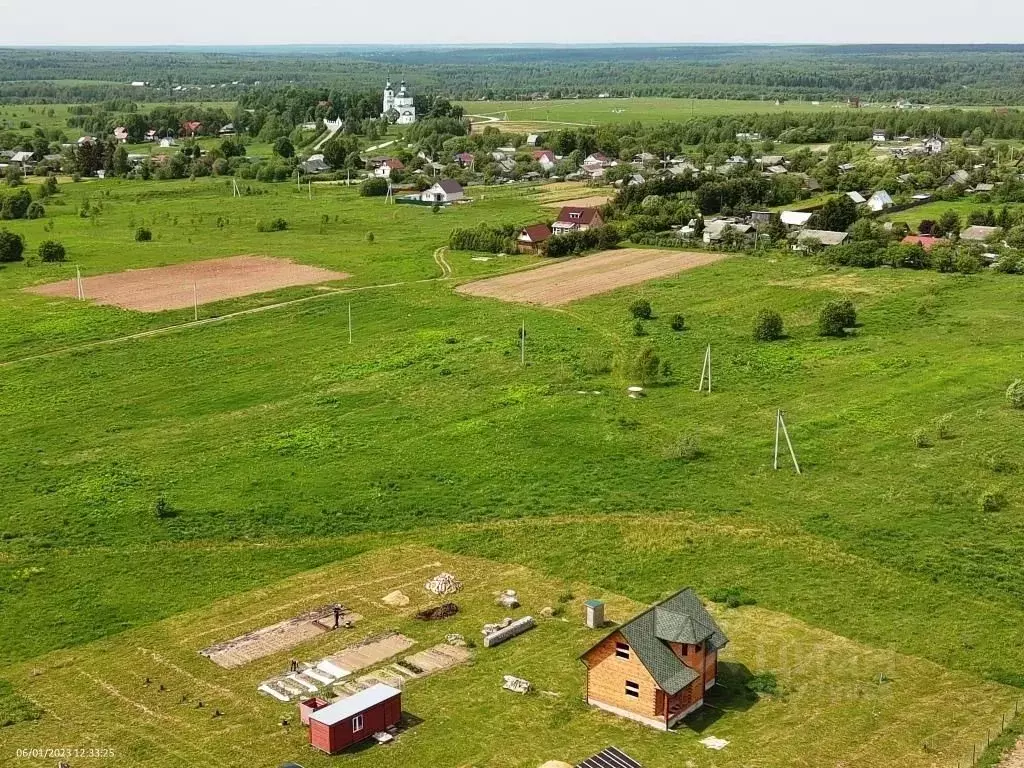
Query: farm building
[[575, 219], [823, 237], [880, 200], [386, 166], [655, 668], [444, 191], [340, 725], [546, 158], [531, 237], [857, 197], [715, 229], [795, 218]]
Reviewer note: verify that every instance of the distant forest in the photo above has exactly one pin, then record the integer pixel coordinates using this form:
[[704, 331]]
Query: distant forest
[[983, 74]]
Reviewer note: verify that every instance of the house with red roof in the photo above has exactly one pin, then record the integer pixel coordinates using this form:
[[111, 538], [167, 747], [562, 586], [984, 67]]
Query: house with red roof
[[576, 219], [386, 166], [121, 134], [531, 237], [191, 127], [546, 158], [465, 159], [925, 241]]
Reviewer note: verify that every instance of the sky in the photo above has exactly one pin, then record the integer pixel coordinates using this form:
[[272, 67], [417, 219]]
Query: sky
[[266, 22]]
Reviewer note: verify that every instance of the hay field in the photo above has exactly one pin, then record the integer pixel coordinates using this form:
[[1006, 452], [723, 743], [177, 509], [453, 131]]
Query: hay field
[[573, 279]]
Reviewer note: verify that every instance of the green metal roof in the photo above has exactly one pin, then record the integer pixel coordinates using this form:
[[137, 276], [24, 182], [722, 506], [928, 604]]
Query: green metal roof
[[594, 603], [681, 618]]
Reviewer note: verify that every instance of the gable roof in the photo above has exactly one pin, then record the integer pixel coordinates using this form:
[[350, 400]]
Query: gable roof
[[535, 233], [823, 236], [571, 214], [449, 185], [857, 197], [925, 241], [681, 618], [795, 218]]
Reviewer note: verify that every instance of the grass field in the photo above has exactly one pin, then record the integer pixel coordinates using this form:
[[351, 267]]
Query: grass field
[[526, 115], [876, 705], [932, 211], [280, 447]]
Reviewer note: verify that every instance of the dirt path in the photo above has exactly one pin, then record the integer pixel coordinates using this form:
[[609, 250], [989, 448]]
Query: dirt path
[[1015, 757], [442, 262]]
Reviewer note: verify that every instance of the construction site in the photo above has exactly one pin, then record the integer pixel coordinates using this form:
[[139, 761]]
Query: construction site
[[440, 644]]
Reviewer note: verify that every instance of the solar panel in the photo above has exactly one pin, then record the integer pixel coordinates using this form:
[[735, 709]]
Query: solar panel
[[610, 758]]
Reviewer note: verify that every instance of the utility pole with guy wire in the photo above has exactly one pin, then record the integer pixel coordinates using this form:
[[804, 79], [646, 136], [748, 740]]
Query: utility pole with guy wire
[[522, 343], [780, 426], [705, 372]]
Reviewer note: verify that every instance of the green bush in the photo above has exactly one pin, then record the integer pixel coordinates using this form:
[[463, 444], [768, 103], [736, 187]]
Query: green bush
[[991, 501], [374, 187], [12, 246], [485, 238], [143, 235], [596, 362], [162, 509], [645, 366], [835, 317], [678, 323], [638, 328], [51, 251], [686, 448], [921, 438], [767, 325], [1015, 394], [370, 238], [274, 225], [763, 683], [943, 427], [733, 597], [35, 210], [641, 309]]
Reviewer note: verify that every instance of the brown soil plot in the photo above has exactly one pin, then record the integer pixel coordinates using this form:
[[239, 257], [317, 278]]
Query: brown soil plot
[[277, 637], [175, 287], [584, 276]]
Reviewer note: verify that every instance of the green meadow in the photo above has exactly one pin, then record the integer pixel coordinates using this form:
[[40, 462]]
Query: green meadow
[[278, 446]]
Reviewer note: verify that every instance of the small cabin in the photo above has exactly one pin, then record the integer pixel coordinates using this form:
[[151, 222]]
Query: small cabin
[[655, 668], [338, 726]]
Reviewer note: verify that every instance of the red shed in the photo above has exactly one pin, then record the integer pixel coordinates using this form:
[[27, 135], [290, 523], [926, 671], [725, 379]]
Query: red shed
[[349, 721]]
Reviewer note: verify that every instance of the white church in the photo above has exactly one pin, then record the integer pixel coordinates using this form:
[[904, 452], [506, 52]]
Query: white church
[[401, 103]]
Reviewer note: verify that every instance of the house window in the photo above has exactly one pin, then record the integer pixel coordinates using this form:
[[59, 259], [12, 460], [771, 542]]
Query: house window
[[357, 724], [622, 650], [574, 215], [633, 689]]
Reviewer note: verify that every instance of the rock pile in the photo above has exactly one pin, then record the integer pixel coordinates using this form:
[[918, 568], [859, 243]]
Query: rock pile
[[443, 584]]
